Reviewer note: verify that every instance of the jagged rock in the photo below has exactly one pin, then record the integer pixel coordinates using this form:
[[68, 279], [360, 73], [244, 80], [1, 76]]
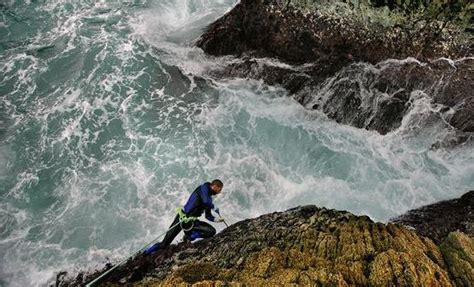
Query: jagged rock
[[279, 29], [377, 97], [336, 63], [307, 246], [437, 220]]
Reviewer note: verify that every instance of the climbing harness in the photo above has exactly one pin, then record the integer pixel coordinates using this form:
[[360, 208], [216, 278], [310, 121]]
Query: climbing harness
[[183, 218]]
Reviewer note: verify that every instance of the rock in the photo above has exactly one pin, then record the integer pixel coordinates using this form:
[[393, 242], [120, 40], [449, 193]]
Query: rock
[[336, 62], [283, 30], [458, 252], [305, 246], [437, 220], [378, 97]]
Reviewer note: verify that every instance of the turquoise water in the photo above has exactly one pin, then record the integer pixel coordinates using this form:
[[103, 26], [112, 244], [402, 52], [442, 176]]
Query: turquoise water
[[108, 119]]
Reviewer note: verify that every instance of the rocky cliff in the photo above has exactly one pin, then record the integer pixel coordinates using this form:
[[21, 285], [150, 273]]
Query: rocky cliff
[[306, 246], [339, 59]]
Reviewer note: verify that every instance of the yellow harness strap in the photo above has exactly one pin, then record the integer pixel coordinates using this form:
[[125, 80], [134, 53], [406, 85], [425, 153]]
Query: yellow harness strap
[[183, 218]]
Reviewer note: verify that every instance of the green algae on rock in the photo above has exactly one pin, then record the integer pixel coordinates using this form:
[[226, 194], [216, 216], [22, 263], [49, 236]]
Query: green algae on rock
[[458, 252], [306, 246]]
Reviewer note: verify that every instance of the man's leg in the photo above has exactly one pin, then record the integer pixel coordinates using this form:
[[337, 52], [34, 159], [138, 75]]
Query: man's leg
[[201, 230], [170, 235]]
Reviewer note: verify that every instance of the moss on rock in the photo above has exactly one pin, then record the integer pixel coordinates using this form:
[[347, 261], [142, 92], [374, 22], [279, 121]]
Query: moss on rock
[[310, 246], [458, 252]]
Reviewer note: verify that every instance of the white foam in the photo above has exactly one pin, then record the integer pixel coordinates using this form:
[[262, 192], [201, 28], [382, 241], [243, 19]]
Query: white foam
[[129, 136]]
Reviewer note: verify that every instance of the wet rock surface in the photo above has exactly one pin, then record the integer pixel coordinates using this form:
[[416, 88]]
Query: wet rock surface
[[339, 65], [304, 246], [437, 220], [276, 28], [378, 97]]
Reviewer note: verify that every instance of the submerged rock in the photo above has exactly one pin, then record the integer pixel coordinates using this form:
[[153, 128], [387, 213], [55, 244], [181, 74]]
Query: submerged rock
[[437, 220], [307, 246]]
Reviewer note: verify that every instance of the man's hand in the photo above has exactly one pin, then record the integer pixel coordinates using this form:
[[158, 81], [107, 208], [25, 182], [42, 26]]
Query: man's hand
[[219, 219]]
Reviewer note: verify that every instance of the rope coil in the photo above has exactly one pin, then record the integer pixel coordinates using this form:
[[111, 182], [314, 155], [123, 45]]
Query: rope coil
[[184, 229], [183, 219]]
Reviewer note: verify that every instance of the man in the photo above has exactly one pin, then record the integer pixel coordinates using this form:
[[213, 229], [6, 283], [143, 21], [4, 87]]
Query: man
[[200, 201]]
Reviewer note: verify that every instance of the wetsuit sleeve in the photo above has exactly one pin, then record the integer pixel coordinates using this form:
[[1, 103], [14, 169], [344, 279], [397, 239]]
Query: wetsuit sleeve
[[209, 215], [206, 198]]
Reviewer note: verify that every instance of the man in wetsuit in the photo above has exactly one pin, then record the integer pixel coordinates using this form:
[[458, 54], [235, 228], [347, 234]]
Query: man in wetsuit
[[200, 201]]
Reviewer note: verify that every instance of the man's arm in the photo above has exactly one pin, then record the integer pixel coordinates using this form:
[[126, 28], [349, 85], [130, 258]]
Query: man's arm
[[209, 215], [205, 196]]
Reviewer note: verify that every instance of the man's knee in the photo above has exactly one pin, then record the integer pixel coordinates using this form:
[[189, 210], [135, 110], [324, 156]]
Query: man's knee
[[208, 231], [212, 231]]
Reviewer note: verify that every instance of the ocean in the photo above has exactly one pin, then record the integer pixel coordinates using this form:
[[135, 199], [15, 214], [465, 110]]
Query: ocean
[[109, 118]]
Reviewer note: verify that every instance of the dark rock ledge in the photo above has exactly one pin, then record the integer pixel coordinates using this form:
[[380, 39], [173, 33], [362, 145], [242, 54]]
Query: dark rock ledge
[[437, 220]]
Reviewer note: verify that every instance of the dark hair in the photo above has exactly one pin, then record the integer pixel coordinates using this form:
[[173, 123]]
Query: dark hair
[[217, 182]]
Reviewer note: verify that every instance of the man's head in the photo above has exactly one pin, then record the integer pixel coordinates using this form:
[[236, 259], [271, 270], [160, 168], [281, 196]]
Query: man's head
[[216, 186]]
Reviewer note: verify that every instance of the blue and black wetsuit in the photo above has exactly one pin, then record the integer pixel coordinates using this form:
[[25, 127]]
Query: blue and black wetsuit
[[198, 203]]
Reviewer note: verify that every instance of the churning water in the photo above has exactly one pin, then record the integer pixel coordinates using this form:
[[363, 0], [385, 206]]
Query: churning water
[[108, 119]]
